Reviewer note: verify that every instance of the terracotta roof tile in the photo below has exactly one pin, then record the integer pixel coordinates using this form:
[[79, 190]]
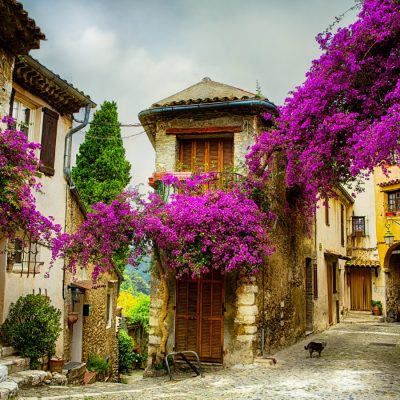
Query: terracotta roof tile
[[389, 183]]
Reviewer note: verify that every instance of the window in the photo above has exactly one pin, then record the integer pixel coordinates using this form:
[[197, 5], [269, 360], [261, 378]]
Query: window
[[342, 225], [109, 310], [326, 205], [23, 116], [358, 226], [204, 155], [49, 136], [23, 256], [394, 201]]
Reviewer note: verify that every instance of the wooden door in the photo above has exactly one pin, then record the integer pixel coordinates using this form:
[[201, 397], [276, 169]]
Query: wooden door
[[360, 289], [199, 316]]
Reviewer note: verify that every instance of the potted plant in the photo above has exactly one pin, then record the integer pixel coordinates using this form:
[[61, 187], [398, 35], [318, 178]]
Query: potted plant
[[376, 307]]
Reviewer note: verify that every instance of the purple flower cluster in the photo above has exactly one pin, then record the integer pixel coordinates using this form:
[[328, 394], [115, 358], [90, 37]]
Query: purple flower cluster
[[18, 167], [345, 118], [194, 233]]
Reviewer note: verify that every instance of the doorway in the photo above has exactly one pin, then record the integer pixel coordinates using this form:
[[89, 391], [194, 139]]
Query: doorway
[[360, 289], [199, 318]]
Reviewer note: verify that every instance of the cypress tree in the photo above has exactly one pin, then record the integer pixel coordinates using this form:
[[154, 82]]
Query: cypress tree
[[101, 170]]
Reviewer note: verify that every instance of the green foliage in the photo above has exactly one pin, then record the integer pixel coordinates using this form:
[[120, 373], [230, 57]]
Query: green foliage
[[101, 170], [134, 283], [32, 327], [377, 303], [97, 363], [127, 355], [140, 312]]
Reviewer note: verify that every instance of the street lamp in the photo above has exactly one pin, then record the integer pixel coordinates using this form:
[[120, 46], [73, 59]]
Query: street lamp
[[388, 237]]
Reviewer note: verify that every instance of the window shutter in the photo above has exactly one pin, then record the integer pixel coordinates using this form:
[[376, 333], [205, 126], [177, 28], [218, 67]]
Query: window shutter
[[186, 155], [186, 319], [213, 161], [228, 154], [49, 136]]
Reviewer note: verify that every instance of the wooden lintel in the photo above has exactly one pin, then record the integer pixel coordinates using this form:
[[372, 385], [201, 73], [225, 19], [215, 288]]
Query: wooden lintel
[[204, 130]]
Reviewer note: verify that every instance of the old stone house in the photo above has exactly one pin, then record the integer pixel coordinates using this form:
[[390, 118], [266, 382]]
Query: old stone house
[[226, 319], [90, 309]]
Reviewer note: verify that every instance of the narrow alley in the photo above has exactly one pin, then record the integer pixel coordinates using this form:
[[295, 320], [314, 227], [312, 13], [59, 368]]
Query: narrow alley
[[361, 361]]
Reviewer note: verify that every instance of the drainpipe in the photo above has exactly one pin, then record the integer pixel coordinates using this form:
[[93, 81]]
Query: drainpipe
[[67, 171]]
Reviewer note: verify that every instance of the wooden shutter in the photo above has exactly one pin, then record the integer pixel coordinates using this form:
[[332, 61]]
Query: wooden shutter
[[49, 136], [211, 339], [185, 156], [186, 317], [227, 158]]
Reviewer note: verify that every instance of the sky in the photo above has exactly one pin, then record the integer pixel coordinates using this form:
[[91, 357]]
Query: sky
[[137, 52]]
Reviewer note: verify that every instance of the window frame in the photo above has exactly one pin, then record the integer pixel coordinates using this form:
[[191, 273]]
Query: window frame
[[394, 204], [355, 222]]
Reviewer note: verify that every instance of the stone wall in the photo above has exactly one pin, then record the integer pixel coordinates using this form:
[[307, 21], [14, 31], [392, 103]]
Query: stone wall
[[6, 72], [97, 337]]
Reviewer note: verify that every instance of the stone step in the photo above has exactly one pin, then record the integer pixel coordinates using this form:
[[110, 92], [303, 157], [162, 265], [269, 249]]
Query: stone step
[[3, 373], [6, 351], [265, 361], [8, 390], [15, 364], [29, 377]]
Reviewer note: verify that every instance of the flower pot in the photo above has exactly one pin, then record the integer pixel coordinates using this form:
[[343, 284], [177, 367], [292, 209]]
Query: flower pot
[[56, 365], [73, 316], [376, 310], [390, 213]]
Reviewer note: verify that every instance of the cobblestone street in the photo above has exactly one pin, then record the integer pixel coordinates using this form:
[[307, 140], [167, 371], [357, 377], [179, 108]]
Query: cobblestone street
[[361, 361]]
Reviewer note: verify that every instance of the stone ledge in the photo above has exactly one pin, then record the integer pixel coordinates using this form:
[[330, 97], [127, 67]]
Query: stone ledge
[[246, 299]]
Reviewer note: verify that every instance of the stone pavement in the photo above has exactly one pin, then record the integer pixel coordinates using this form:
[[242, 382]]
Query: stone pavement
[[361, 361]]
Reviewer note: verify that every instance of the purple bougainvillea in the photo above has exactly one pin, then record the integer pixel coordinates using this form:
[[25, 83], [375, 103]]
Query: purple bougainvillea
[[345, 118], [18, 167]]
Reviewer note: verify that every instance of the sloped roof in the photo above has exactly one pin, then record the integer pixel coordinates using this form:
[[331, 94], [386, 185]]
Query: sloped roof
[[389, 183], [18, 32], [363, 263], [40, 81], [206, 91]]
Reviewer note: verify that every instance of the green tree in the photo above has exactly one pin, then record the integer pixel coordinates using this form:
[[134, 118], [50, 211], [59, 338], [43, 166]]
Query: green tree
[[101, 170]]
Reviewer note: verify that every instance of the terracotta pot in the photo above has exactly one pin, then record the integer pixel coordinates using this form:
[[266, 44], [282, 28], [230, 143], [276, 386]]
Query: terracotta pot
[[73, 316], [376, 310], [56, 365]]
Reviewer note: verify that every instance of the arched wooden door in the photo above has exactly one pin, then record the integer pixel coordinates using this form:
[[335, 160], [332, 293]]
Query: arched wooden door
[[199, 319]]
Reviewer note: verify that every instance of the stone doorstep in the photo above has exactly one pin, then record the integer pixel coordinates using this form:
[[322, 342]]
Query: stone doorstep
[[265, 362], [15, 364], [3, 373]]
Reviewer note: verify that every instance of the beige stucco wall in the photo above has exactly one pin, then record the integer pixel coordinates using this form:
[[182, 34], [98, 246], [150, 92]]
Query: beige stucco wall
[[328, 247], [51, 202]]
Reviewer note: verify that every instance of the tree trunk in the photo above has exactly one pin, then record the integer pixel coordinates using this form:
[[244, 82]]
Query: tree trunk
[[164, 307]]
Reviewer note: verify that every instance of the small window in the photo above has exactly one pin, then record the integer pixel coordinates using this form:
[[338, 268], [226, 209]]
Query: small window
[[326, 205], [342, 225], [23, 116], [315, 282], [23, 256], [394, 201], [109, 310], [358, 226]]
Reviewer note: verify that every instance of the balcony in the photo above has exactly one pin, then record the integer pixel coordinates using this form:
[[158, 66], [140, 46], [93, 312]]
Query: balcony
[[224, 181]]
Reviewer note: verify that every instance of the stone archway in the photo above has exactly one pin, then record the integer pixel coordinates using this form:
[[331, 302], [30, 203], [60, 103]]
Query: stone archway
[[392, 267]]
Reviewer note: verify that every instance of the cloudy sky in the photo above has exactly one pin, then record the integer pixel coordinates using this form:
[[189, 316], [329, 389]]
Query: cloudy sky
[[139, 51]]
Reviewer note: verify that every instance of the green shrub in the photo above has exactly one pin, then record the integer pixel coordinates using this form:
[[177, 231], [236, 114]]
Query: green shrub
[[32, 327], [127, 359], [97, 363]]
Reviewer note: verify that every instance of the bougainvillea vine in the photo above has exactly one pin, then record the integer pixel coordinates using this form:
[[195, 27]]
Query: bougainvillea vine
[[344, 120], [18, 183]]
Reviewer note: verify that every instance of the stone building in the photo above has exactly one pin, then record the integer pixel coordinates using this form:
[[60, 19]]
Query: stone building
[[227, 319], [387, 206], [90, 309]]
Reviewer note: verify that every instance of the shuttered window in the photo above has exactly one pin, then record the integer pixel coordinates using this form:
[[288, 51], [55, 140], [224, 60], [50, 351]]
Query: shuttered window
[[203, 155], [199, 316], [49, 136]]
